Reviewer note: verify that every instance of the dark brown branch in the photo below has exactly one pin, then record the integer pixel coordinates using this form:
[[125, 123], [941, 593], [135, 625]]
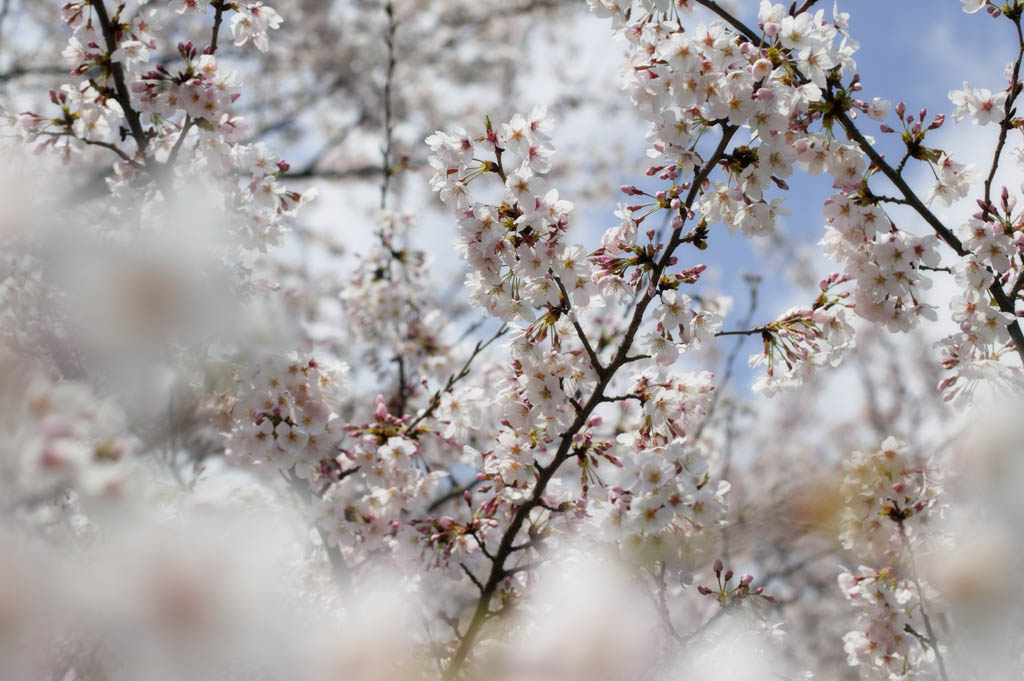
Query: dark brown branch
[[120, 87], [96, 143], [218, 17], [808, 4], [727, 16], [472, 577], [621, 398], [1017, 285], [594, 360]]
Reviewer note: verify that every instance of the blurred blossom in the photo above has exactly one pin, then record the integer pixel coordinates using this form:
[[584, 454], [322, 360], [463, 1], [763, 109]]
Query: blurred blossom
[[243, 440]]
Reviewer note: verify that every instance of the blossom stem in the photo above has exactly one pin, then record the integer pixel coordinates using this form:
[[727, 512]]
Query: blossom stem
[[218, 17]]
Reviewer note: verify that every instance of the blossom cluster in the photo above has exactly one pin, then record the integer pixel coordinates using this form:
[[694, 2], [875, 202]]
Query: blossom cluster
[[380, 486], [518, 259], [885, 262], [286, 416], [888, 503], [882, 644], [388, 301], [166, 108], [688, 83], [646, 488], [882, 490], [685, 84], [59, 435], [992, 240]]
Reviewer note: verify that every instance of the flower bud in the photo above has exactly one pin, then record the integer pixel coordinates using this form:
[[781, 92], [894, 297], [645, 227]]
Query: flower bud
[[762, 68]]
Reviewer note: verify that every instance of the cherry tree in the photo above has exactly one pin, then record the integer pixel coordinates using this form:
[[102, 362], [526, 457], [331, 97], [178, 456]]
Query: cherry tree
[[252, 432]]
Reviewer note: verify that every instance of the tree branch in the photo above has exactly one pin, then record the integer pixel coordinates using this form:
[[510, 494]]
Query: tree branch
[[120, 87], [498, 571]]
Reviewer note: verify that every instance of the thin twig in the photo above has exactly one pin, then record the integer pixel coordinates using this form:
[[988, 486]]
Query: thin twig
[[730, 362], [594, 360], [386, 169], [744, 332], [661, 602], [932, 639], [472, 577], [456, 492], [435, 399], [727, 16]]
